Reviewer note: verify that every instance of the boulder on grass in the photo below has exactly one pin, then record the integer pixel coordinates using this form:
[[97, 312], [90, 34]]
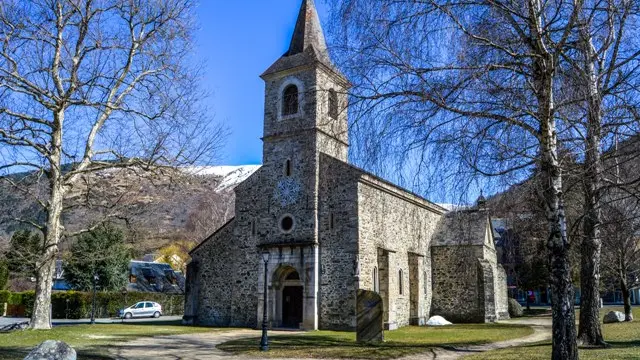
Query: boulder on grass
[[437, 321], [613, 317], [52, 350], [515, 309]]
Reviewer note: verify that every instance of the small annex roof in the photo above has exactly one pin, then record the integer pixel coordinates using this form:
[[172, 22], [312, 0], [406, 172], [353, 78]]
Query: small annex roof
[[307, 46], [463, 227]]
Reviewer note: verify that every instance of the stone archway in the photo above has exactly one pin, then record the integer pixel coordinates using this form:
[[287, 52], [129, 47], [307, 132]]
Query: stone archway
[[288, 297]]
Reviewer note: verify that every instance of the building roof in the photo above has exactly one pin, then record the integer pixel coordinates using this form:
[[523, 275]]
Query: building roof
[[307, 46], [155, 277], [371, 179], [465, 227]]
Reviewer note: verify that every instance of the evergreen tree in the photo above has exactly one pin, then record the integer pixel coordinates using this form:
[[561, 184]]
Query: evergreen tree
[[103, 252], [4, 274]]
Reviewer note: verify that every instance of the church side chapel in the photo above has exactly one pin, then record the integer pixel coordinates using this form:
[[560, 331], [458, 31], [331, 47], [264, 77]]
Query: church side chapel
[[327, 228]]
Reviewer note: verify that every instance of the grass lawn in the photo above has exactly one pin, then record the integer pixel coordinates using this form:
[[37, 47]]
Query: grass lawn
[[624, 339], [89, 341], [405, 341]]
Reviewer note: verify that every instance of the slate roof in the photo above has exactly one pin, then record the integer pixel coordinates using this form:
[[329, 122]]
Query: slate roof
[[308, 45], [464, 227], [147, 276]]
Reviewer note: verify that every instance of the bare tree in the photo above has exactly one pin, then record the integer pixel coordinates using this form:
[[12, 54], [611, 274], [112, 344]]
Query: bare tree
[[605, 64], [477, 81], [212, 211], [90, 85], [621, 247]]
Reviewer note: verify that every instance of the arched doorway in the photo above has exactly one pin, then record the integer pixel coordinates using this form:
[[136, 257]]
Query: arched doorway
[[292, 300], [289, 292]]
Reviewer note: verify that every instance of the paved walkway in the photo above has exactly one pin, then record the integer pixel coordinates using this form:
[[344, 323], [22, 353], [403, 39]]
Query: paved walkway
[[203, 346], [185, 347]]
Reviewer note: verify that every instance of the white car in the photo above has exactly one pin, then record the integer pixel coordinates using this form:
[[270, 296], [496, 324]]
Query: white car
[[142, 309]]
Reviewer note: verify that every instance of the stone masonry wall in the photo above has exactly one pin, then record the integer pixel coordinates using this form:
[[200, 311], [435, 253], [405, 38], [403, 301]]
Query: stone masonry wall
[[501, 297], [402, 225], [502, 293], [226, 293], [338, 236], [455, 283]]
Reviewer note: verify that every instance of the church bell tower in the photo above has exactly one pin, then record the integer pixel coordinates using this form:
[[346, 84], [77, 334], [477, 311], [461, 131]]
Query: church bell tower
[[305, 94], [304, 116]]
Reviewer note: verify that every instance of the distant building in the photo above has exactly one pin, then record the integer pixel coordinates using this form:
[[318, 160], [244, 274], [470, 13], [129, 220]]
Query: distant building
[[146, 276], [59, 282]]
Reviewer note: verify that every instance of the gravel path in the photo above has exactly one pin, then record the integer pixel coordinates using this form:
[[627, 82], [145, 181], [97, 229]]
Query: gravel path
[[203, 346], [541, 332]]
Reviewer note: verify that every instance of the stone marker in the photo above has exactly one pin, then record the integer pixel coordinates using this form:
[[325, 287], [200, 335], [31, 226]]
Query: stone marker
[[515, 309], [613, 317], [438, 321], [369, 312], [52, 350]]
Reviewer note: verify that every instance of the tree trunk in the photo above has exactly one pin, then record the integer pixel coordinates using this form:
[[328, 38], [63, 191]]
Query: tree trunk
[[564, 346], [626, 297], [45, 266], [590, 332], [41, 315]]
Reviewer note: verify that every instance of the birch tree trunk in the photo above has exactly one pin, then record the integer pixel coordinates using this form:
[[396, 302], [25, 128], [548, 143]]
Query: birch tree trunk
[[590, 332], [562, 294], [564, 346]]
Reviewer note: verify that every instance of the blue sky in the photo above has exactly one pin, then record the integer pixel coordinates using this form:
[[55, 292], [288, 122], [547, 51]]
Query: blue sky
[[238, 40]]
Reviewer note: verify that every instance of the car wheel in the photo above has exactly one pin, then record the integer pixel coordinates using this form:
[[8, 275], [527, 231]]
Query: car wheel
[[128, 316], [156, 314]]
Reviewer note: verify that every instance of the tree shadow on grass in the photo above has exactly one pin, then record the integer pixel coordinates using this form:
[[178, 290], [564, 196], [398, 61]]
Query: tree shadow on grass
[[625, 344], [319, 346]]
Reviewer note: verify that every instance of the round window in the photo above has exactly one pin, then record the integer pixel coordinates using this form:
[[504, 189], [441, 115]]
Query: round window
[[286, 223]]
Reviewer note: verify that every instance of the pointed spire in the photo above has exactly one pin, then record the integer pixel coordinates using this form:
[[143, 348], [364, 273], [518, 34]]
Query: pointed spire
[[308, 31]]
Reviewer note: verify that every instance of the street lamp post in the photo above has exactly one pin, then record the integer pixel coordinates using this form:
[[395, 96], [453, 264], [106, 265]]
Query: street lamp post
[[93, 301], [264, 342]]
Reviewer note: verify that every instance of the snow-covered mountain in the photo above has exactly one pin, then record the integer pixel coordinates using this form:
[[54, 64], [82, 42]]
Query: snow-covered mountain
[[230, 176]]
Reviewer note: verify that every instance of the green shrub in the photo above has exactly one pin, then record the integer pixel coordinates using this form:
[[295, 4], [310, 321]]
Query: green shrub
[[77, 305], [4, 296]]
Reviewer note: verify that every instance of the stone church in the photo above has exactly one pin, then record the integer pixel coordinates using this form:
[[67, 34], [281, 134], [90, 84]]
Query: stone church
[[330, 228]]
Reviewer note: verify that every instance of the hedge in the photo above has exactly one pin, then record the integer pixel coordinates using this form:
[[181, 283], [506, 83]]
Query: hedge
[[77, 305]]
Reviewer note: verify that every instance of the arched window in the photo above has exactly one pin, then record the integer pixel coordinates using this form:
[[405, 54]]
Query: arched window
[[333, 104], [290, 100], [287, 168], [400, 290], [376, 281]]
